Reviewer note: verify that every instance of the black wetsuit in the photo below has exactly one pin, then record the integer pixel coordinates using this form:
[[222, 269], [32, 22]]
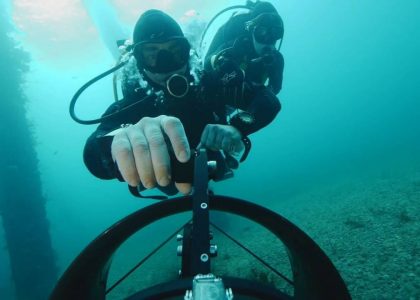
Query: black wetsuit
[[195, 110]]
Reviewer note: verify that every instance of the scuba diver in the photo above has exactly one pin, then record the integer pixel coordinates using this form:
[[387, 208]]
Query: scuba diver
[[170, 108], [249, 40]]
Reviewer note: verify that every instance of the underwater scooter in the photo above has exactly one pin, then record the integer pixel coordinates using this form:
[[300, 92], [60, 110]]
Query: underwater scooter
[[314, 275]]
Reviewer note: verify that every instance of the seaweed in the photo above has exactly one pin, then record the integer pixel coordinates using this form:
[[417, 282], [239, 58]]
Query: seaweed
[[403, 216], [354, 224], [262, 276]]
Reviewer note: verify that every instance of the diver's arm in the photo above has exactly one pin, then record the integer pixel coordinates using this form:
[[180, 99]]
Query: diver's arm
[[97, 151], [264, 107], [258, 100], [139, 153], [99, 161], [275, 73]]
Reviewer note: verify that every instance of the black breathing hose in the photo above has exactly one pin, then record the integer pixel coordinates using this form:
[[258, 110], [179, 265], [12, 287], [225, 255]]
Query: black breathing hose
[[216, 16], [83, 88]]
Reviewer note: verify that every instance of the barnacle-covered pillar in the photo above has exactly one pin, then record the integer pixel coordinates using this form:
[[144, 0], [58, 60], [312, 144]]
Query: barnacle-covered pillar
[[22, 205]]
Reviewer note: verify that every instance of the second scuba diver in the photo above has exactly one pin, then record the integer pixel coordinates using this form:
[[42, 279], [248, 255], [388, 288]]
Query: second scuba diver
[[249, 41]]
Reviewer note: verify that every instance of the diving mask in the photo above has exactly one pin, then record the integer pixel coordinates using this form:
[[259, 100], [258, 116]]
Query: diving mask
[[267, 35], [162, 57], [268, 28]]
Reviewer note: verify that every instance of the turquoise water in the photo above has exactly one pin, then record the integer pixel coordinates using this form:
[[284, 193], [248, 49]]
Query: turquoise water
[[342, 159]]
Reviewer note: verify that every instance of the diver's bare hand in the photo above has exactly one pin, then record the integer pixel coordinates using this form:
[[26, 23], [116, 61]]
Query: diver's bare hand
[[222, 137], [141, 152]]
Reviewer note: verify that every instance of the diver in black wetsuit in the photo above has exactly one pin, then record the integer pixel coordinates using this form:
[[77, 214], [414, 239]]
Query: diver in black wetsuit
[[249, 41], [171, 111]]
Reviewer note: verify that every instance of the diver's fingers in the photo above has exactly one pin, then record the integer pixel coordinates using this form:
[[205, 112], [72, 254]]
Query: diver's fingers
[[175, 131], [123, 155], [159, 153], [239, 146], [212, 137], [227, 143], [232, 143], [219, 135], [184, 188], [204, 135], [236, 147], [142, 156]]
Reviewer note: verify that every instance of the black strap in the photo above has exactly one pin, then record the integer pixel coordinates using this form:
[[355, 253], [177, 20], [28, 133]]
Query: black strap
[[135, 190], [247, 144]]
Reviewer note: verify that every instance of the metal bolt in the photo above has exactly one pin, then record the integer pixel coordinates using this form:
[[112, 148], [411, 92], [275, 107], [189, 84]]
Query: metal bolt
[[212, 165], [229, 294], [204, 257], [188, 295], [213, 250], [179, 250]]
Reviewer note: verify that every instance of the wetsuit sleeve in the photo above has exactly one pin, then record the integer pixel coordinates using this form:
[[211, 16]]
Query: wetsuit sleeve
[[258, 100], [264, 106], [275, 73], [97, 151]]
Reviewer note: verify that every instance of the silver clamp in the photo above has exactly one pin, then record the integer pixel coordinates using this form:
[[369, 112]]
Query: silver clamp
[[208, 287]]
